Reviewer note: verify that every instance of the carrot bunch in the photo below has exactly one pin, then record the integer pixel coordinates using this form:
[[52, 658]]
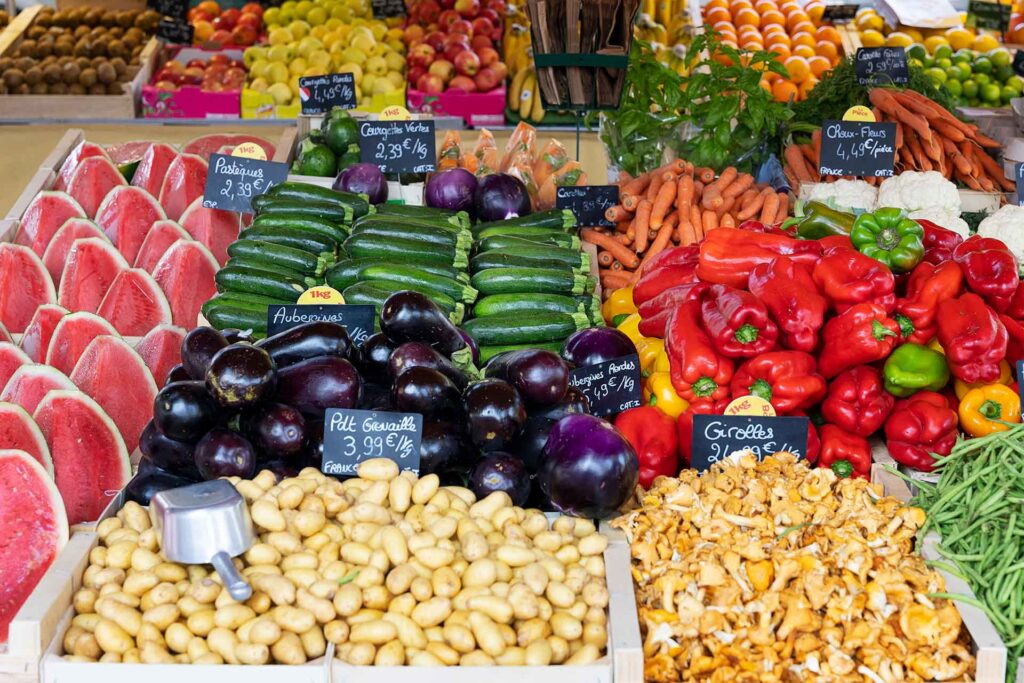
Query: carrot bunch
[[676, 205]]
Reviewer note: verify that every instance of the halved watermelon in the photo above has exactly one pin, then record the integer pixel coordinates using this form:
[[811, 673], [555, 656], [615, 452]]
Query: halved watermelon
[[134, 304], [160, 238], [206, 145], [161, 349], [128, 155], [24, 286], [84, 150], [5, 336], [36, 339], [19, 430], [126, 215], [90, 462], [186, 274], [185, 180], [215, 228], [105, 372], [151, 170], [11, 358], [93, 180], [92, 265], [34, 526], [74, 332], [56, 254], [30, 383], [44, 217]]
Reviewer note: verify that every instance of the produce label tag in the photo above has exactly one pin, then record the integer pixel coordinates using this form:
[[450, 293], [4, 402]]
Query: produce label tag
[[611, 387], [357, 319], [588, 203], [716, 437], [249, 150], [1020, 385], [859, 112], [840, 13], [352, 436], [989, 14], [319, 94], [398, 146], [175, 31], [175, 9], [232, 182], [1018, 63], [388, 8], [750, 405], [321, 294], [858, 148], [881, 65], [1018, 175]]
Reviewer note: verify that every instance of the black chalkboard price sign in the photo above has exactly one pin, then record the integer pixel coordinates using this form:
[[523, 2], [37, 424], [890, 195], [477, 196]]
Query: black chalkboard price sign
[[588, 203], [1018, 175], [319, 94], [881, 65], [352, 436], [175, 9], [356, 318], [174, 31], [398, 146], [388, 8], [990, 14], [611, 387], [840, 12], [1020, 375], [858, 148], [232, 182], [715, 437]]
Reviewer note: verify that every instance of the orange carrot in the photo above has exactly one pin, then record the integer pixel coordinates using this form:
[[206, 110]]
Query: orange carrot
[[663, 203], [675, 167], [684, 190], [725, 179], [636, 185], [660, 241], [725, 208], [704, 174], [771, 206], [623, 178], [611, 279], [745, 198], [795, 161], [741, 185], [993, 169], [962, 165], [642, 223], [946, 130], [629, 201], [884, 100], [696, 222], [709, 221], [783, 210], [657, 180], [816, 146], [617, 213], [623, 226], [625, 239], [727, 221], [621, 253], [750, 210], [604, 258], [711, 198], [686, 233]]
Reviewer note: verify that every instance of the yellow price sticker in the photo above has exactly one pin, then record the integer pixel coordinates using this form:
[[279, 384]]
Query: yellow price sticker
[[321, 295], [859, 113], [753, 406], [395, 113], [249, 150]]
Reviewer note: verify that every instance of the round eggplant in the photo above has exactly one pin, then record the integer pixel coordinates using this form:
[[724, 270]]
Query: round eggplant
[[241, 375], [281, 468], [166, 453], [143, 487], [223, 453], [313, 449], [310, 340], [198, 348], [495, 414], [312, 386], [410, 316], [443, 446], [596, 345], [540, 377], [184, 411], [376, 397], [501, 472], [418, 354], [373, 356], [235, 335], [177, 374], [428, 392], [277, 431], [574, 402]]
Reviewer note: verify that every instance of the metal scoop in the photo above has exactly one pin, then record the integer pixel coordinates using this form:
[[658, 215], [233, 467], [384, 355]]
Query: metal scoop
[[205, 523]]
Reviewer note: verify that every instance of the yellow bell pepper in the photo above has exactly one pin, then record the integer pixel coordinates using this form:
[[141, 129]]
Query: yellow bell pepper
[[934, 345], [618, 305], [649, 349], [630, 326], [983, 410], [659, 392], [661, 362], [1005, 377]]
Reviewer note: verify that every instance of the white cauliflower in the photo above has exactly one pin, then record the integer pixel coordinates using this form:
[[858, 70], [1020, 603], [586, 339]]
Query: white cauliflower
[[913, 191], [1006, 224], [846, 194], [944, 219]]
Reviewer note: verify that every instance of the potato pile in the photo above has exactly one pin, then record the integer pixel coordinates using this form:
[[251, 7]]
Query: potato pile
[[393, 569], [80, 51]]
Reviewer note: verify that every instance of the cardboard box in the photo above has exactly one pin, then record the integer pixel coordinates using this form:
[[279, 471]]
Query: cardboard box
[[476, 109]]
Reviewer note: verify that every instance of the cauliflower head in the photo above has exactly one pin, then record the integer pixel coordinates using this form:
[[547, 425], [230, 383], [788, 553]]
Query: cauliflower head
[[914, 190], [944, 219], [1006, 224], [846, 194]]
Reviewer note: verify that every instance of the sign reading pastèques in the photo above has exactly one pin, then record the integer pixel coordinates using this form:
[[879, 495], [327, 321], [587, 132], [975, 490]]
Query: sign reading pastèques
[[356, 318], [352, 436], [588, 203], [232, 182], [320, 94], [715, 437], [858, 148], [398, 146], [611, 387]]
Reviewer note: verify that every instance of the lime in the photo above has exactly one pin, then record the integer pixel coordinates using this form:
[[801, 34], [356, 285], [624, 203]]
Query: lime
[[999, 56], [982, 65], [917, 51], [970, 87], [929, 61], [937, 75], [1006, 93], [983, 79], [943, 52], [958, 72], [915, 63], [963, 55], [944, 62], [990, 93], [955, 88], [1015, 82], [1004, 73]]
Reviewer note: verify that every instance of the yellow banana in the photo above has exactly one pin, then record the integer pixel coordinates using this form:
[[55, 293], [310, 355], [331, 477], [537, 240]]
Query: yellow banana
[[663, 12], [537, 113], [527, 94], [516, 88], [649, 8]]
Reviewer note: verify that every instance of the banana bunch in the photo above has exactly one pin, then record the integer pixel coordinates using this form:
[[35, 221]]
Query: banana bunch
[[517, 48], [524, 96], [666, 25]]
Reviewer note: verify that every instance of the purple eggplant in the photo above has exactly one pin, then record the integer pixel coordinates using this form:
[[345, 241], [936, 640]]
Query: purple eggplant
[[495, 414], [312, 386], [184, 411], [596, 345], [177, 374], [428, 392], [471, 344], [143, 487], [235, 335], [276, 430], [376, 397], [223, 453], [418, 354], [310, 340], [442, 447], [166, 453], [198, 348], [540, 377], [410, 316], [501, 472], [372, 359], [313, 449], [241, 375], [529, 445]]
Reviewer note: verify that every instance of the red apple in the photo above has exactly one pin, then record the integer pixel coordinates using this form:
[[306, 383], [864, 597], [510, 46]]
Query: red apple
[[435, 39], [467, 63], [254, 21], [221, 37], [462, 83], [196, 62], [467, 8], [193, 75], [487, 80], [430, 84], [427, 12], [461, 26], [421, 55], [487, 13], [447, 4], [168, 76], [223, 23], [414, 74], [447, 18], [231, 14], [234, 74], [243, 35], [195, 14], [174, 66], [414, 32], [218, 58], [488, 56], [454, 49], [496, 35], [482, 25], [442, 68], [166, 86], [480, 42], [501, 70], [498, 6], [253, 8]]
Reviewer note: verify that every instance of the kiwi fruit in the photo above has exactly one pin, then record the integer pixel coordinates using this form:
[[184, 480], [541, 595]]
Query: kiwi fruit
[[83, 63], [52, 73], [120, 66], [117, 48], [44, 49], [106, 73], [88, 77], [82, 48], [116, 32], [22, 89], [115, 89], [96, 61], [70, 73], [27, 47], [76, 89], [5, 63], [34, 75], [24, 63], [81, 31], [58, 89], [61, 61], [92, 16], [98, 89], [63, 48], [13, 78], [35, 32]]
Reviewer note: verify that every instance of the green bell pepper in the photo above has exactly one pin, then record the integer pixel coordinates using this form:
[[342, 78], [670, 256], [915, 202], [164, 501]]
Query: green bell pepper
[[817, 219], [912, 368], [887, 235]]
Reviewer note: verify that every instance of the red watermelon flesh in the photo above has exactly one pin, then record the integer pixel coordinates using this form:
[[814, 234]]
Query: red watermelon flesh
[[11, 358], [30, 383], [90, 462], [105, 372], [184, 182], [36, 339], [216, 229], [44, 217], [91, 267], [33, 526], [206, 145], [161, 350], [19, 430], [160, 238], [24, 286], [56, 254], [134, 304], [128, 152], [153, 167], [74, 332], [84, 150], [186, 274], [5, 336], [126, 215], [92, 181]]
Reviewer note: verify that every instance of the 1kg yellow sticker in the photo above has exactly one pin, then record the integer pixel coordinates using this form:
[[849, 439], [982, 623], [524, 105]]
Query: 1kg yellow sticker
[[754, 406], [321, 295], [249, 150], [395, 113]]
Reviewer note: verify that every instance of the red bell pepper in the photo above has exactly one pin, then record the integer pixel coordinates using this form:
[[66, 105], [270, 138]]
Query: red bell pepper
[[919, 426], [788, 292], [727, 255], [857, 401], [928, 285], [758, 226], [1015, 337], [847, 277], [737, 322], [1015, 307], [972, 337], [813, 442], [669, 268], [839, 447], [990, 269], [833, 241], [697, 370], [654, 313], [939, 242], [786, 379], [863, 334], [652, 434], [684, 425]]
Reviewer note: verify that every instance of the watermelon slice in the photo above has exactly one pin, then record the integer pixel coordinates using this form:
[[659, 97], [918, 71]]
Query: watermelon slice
[[56, 253], [104, 371], [126, 215], [5, 336], [160, 238], [43, 217], [93, 180], [128, 155], [186, 274], [134, 304], [184, 182], [34, 527], [19, 430], [215, 228], [92, 265], [30, 383], [24, 286], [11, 358], [151, 170], [84, 150], [90, 462], [161, 349], [36, 339], [205, 145], [74, 332]]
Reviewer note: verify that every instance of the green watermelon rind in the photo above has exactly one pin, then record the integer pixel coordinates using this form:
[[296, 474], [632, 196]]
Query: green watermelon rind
[[37, 436]]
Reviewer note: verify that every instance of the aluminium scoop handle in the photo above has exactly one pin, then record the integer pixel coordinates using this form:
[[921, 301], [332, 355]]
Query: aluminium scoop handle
[[238, 588]]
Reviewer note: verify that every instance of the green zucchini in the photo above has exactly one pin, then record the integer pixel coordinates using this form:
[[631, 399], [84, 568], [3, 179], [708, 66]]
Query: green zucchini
[[419, 233], [270, 269], [592, 304], [308, 242], [278, 255], [409, 224], [398, 250], [531, 281], [574, 258], [336, 213], [410, 211], [350, 271], [223, 317], [552, 219], [559, 239], [264, 283], [489, 352], [358, 203], [500, 259], [526, 304], [251, 302], [525, 231], [500, 330], [298, 221], [412, 277], [376, 292]]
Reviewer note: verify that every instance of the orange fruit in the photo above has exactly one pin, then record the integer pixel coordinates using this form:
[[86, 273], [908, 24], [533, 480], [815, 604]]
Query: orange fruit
[[773, 17], [784, 91], [766, 85], [803, 51], [793, 18], [777, 36], [815, 10], [803, 27], [819, 65], [780, 51], [763, 6], [746, 16], [826, 49], [828, 33], [724, 4], [807, 86], [716, 14], [771, 77], [803, 38], [749, 39], [789, 6], [736, 5], [724, 25], [797, 68]]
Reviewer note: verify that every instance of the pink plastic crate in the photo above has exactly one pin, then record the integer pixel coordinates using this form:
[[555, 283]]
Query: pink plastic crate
[[476, 109], [189, 102]]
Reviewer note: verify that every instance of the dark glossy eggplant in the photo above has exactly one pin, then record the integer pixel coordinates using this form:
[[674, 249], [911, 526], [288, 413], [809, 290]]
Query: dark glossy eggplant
[[444, 446], [281, 468], [529, 445], [276, 430], [312, 386], [310, 340], [596, 345], [235, 335], [501, 472], [495, 414], [410, 316], [418, 354], [241, 375], [177, 374], [455, 476], [184, 411], [198, 348], [313, 449], [541, 377], [373, 356], [223, 453], [376, 397], [141, 488], [471, 344], [574, 402], [166, 453], [429, 392]]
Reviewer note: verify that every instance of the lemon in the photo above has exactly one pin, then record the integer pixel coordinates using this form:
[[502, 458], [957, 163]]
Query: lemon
[[258, 69], [317, 16], [281, 53], [259, 85], [394, 61], [395, 34], [281, 93], [397, 46], [933, 42], [315, 71], [354, 69], [302, 8], [333, 24], [872, 38], [280, 36], [299, 29], [319, 59], [354, 55], [898, 39], [298, 65], [382, 85], [959, 38], [396, 78], [985, 42], [366, 85], [357, 7], [341, 13], [869, 20], [277, 73]]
